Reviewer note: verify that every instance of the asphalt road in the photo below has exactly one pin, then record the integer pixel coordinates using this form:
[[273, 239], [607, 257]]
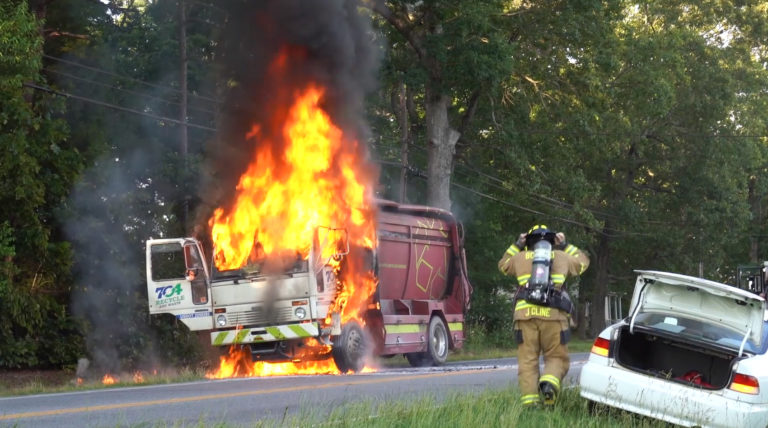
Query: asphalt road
[[245, 401]]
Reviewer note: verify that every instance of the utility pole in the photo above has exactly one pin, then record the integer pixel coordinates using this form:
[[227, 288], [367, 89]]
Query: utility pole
[[183, 136], [404, 137]]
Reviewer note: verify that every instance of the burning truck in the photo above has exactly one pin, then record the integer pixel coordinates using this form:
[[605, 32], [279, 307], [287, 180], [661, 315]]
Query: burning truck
[[303, 264], [290, 311]]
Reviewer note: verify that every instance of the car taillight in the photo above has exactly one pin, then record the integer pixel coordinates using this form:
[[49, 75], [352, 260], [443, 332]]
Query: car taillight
[[601, 347], [745, 384]]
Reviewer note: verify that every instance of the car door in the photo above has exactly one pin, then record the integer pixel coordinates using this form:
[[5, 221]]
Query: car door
[[178, 282]]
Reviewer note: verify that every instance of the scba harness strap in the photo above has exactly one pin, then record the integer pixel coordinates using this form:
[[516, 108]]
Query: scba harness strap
[[547, 295]]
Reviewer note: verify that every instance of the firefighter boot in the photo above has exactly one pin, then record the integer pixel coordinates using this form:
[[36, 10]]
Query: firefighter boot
[[548, 393]]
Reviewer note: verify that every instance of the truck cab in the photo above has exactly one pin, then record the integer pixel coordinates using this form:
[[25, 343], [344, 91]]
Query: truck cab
[[272, 306]]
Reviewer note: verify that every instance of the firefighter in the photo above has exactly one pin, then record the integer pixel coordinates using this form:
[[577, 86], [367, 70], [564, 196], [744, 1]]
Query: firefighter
[[542, 325]]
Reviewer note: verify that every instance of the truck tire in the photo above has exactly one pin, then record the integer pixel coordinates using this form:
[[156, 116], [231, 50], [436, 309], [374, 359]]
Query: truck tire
[[349, 348], [437, 341], [437, 346], [417, 359]]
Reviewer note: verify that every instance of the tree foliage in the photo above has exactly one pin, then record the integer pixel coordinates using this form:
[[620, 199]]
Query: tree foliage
[[38, 166]]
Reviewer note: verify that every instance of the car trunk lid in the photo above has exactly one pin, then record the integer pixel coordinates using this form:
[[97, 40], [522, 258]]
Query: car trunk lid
[[702, 300]]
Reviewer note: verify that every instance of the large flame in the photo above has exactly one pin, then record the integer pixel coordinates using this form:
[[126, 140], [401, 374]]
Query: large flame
[[306, 177], [283, 197]]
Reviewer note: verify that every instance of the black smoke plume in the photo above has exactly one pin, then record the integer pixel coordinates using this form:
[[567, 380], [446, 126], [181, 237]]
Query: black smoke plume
[[327, 42]]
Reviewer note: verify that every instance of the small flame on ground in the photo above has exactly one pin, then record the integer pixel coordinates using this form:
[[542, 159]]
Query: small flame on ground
[[138, 377], [108, 379]]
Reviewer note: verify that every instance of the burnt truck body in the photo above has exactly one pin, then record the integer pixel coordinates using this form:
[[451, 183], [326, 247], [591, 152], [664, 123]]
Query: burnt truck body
[[418, 308]]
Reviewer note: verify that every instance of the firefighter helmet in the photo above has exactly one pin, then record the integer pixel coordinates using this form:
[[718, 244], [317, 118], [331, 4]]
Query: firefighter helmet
[[537, 233]]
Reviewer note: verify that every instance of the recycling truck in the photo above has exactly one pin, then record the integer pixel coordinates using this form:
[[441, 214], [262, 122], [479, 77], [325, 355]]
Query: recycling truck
[[418, 307]]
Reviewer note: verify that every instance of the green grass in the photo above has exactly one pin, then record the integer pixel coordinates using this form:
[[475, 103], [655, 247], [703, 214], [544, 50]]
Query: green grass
[[497, 408], [500, 408], [44, 384]]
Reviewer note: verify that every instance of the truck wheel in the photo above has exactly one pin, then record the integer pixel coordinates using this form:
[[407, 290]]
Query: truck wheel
[[417, 359], [349, 348], [437, 345]]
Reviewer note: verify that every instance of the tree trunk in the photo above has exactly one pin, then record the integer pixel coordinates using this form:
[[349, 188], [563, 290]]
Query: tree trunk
[[600, 286], [581, 315], [399, 106], [757, 218], [441, 147]]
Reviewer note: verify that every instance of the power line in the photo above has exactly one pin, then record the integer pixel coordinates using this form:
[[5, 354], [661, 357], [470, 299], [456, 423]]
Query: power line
[[630, 135], [116, 107], [617, 233], [109, 73], [106, 85], [541, 198], [549, 201]]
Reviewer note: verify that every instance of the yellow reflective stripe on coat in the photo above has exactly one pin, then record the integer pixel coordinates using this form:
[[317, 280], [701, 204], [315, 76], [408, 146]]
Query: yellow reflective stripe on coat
[[523, 279], [522, 304], [558, 278], [512, 250], [571, 249]]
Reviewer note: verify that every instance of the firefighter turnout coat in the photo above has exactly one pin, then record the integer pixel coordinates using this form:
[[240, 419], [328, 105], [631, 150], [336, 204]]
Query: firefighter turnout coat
[[516, 262]]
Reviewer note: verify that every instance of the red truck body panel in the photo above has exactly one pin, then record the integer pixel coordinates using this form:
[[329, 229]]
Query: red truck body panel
[[422, 273]]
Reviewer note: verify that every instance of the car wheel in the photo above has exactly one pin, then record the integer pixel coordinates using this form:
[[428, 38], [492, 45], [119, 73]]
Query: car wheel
[[437, 341], [349, 348]]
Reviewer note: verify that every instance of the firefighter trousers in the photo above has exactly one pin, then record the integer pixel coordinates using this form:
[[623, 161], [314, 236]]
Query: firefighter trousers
[[540, 336]]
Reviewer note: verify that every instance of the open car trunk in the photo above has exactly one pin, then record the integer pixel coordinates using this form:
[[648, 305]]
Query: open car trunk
[[674, 359]]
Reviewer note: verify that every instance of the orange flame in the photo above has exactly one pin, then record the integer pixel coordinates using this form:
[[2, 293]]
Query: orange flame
[[283, 197], [238, 364], [138, 377], [108, 379], [307, 180]]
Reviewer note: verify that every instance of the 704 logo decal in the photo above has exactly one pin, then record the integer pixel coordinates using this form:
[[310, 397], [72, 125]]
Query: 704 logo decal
[[168, 291]]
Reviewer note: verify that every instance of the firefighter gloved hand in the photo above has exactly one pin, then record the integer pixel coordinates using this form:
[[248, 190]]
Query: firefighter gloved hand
[[560, 242], [520, 243]]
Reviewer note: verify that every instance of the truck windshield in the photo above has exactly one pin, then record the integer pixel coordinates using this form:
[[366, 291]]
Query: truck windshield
[[258, 264]]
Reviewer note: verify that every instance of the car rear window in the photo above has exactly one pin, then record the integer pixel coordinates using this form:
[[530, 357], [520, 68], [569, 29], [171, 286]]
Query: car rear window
[[696, 330]]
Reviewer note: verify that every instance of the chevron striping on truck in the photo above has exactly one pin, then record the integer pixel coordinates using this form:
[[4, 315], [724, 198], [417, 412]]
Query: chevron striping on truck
[[264, 334]]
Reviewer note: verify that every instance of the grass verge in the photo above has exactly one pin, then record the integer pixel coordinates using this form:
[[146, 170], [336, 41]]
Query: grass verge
[[498, 408]]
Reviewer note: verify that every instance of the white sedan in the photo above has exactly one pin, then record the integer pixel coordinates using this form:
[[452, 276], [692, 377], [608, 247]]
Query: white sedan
[[691, 352]]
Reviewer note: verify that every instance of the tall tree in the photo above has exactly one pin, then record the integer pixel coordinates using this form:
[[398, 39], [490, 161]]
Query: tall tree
[[37, 167], [124, 111], [461, 50]]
